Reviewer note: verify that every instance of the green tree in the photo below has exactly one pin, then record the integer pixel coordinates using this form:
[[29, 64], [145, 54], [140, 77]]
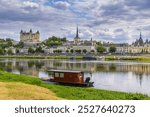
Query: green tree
[[17, 51], [84, 51], [78, 51], [20, 45], [54, 41], [39, 50], [101, 49], [31, 50], [9, 51], [92, 51], [2, 51], [67, 51], [9, 42], [112, 49], [71, 50]]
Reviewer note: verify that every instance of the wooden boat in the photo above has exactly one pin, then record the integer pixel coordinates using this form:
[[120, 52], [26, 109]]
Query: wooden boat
[[70, 77]]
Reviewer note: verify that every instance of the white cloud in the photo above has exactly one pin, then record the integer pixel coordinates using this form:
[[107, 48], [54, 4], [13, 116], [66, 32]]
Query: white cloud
[[30, 4], [62, 5], [101, 19]]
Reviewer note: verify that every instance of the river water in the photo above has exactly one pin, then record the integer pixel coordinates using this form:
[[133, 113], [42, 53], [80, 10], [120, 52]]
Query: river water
[[111, 75]]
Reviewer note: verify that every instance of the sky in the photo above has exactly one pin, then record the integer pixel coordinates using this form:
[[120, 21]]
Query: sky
[[118, 21]]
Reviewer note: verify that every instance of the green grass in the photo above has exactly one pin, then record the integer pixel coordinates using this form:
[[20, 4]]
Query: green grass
[[128, 58], [73, 93], [41, 57]]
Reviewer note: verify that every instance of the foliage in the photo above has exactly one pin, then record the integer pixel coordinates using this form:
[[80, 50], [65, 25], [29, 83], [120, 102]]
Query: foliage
[[17, 51], [92, 51], [84, 51], [78, 51], [39, 50], [31, 50], [20, 45], [54, 41], [71, 50], [67, 51], [6, 43], [101, 49], [9, 51], [112, 49], [2, 51], [57, 51], [98, 43]]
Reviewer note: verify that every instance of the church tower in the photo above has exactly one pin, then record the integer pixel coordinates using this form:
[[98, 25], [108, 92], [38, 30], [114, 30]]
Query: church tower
[[77, 38], [141, 43]]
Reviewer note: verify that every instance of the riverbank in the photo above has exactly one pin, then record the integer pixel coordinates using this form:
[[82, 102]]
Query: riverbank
[[41, 57], [128, 58], [106, 58], [73, 93]]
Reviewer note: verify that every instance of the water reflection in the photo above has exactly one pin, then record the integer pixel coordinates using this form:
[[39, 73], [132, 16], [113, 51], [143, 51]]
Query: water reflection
[[120, 76]]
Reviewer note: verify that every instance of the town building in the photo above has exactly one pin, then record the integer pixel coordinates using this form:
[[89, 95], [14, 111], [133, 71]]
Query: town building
[[139, 46], [78, 44]]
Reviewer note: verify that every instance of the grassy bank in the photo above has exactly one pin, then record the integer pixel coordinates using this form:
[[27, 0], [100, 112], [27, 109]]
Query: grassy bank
[[41, 57], [127, 58], [67, 92]]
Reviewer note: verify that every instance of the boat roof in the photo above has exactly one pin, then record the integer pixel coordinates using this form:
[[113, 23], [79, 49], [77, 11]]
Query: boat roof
[[67, 71]]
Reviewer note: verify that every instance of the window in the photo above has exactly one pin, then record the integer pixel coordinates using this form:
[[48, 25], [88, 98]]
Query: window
[[61, 75], [56, 74]]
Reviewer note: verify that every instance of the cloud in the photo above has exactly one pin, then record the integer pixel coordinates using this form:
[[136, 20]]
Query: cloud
[[28, 4], [109, 20], [61, 5]]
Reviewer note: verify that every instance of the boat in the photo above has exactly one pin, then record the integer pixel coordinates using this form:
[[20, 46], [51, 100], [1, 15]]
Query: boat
[[70, 77]]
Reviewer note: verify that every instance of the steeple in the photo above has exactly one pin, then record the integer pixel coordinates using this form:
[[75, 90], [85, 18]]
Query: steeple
[[21, 31], [140, 36], [77, 33], [30, 30], [77, 38], [140, 43]]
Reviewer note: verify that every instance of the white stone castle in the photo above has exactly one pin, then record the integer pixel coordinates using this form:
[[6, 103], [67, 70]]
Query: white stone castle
[[29, 37]]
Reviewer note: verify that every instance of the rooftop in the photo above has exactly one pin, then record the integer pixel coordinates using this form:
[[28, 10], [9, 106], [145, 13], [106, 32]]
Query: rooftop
[[70, 71]]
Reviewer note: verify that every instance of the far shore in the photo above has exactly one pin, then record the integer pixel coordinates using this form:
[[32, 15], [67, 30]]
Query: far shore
[[137, 58]]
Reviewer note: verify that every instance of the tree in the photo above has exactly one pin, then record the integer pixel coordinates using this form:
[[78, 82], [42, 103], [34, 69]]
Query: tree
[[78, 51], [67, 51], [31, 50], [2, 51], [20, 45], [71, 50], [57, 51], [39, 50], [9, 42], [54, 41], [84, 51], [101, 49], [9, 51], [17, 51], [112, 49], [92, 51]]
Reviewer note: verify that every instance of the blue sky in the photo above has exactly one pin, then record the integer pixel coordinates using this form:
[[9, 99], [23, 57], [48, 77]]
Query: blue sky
[[103, 20]]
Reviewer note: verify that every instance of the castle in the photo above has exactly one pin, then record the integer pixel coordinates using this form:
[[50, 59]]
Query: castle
[[29, 37]]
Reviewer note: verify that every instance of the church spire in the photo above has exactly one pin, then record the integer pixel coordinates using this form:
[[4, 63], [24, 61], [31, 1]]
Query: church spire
[[77, 33], [140, 36]]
